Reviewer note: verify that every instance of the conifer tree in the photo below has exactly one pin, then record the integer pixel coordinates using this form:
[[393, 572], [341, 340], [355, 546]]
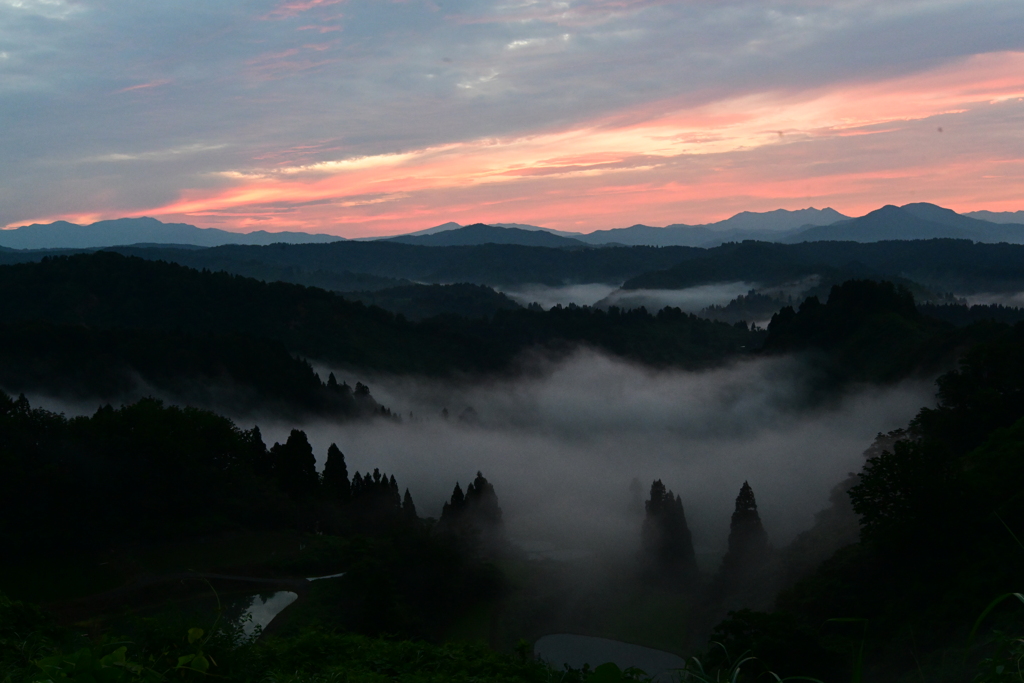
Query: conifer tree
[[409, 508], [452, 510], [335, 477], [295, 465], [396, 498], [482, 502], [666, 541], [748, 551], [261, 462]]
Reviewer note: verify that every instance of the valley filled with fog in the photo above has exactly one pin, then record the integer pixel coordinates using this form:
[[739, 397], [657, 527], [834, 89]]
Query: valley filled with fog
[[563, 444]]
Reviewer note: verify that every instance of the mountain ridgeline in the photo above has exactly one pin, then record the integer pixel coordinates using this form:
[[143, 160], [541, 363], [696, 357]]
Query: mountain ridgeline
[[912, 221]]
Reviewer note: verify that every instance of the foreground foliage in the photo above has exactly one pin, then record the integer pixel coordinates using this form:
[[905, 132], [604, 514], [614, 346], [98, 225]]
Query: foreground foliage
[[32, 650]]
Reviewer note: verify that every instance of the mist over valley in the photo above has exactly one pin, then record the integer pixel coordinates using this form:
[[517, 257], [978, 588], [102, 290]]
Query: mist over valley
[[663, 447]]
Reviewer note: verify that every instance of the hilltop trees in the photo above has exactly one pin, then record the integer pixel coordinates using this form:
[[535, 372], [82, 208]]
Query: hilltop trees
[[666, 542]]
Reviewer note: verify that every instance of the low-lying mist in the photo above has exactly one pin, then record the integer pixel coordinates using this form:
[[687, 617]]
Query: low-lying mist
[[563, 444], [1011, 299], [689, 300], [547, 297]]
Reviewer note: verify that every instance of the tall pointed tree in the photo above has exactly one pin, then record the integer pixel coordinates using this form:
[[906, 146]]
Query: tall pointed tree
[[408, 507], [749, 550], [666, 541], [295, 465], [335, 478]]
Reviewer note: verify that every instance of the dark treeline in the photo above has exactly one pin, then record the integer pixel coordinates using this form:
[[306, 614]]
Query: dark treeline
[[939, 264], [869, 331], [352, 266], [79, 491], [146, 472], [750, 308], [109, 291], [962, 314], [247, 373], [417, 302]]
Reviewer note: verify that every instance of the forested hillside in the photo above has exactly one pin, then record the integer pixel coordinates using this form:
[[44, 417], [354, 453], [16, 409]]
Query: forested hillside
[[941, 518], [110, 291]]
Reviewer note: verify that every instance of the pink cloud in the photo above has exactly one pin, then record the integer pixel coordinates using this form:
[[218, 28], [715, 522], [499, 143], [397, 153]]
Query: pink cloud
[[296, 7], [143, 86], [854, 146]]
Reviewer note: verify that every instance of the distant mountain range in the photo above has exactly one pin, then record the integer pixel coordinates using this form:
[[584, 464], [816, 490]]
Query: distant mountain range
[[127, 231], [997, 216], [746, 225], [480, 233], [908, 222], [919, 221]]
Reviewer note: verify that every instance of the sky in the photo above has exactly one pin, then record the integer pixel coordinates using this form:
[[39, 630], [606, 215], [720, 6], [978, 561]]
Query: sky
[[373, 117]]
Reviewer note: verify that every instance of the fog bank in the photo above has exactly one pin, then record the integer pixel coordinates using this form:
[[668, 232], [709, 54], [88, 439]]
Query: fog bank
[[547, 297], [689, 300], [562, 446]]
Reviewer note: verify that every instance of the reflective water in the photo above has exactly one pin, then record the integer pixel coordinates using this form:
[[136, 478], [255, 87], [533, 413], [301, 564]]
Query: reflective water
[[263, 611]]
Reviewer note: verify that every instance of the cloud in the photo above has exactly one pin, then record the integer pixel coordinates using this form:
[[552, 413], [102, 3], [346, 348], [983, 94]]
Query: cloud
[[643, 146], [569, 102]]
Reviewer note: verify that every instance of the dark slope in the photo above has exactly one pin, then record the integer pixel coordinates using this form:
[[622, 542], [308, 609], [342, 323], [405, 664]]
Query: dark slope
[[108, 291], [867, 330], [911, 222], [64, 235], [417, 302], [247, 374], [388, 264], [479, 233], [941, 264]]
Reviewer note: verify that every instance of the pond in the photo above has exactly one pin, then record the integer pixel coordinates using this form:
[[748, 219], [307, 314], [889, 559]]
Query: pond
[[565, 648], [262, 612]]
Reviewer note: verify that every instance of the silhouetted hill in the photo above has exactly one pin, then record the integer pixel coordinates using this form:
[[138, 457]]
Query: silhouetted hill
[[911, 222], [488, 234], [867, 331], [383, 264], [744, 225], [942, 265], [109, 291], [124, 231], [241, 373]]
